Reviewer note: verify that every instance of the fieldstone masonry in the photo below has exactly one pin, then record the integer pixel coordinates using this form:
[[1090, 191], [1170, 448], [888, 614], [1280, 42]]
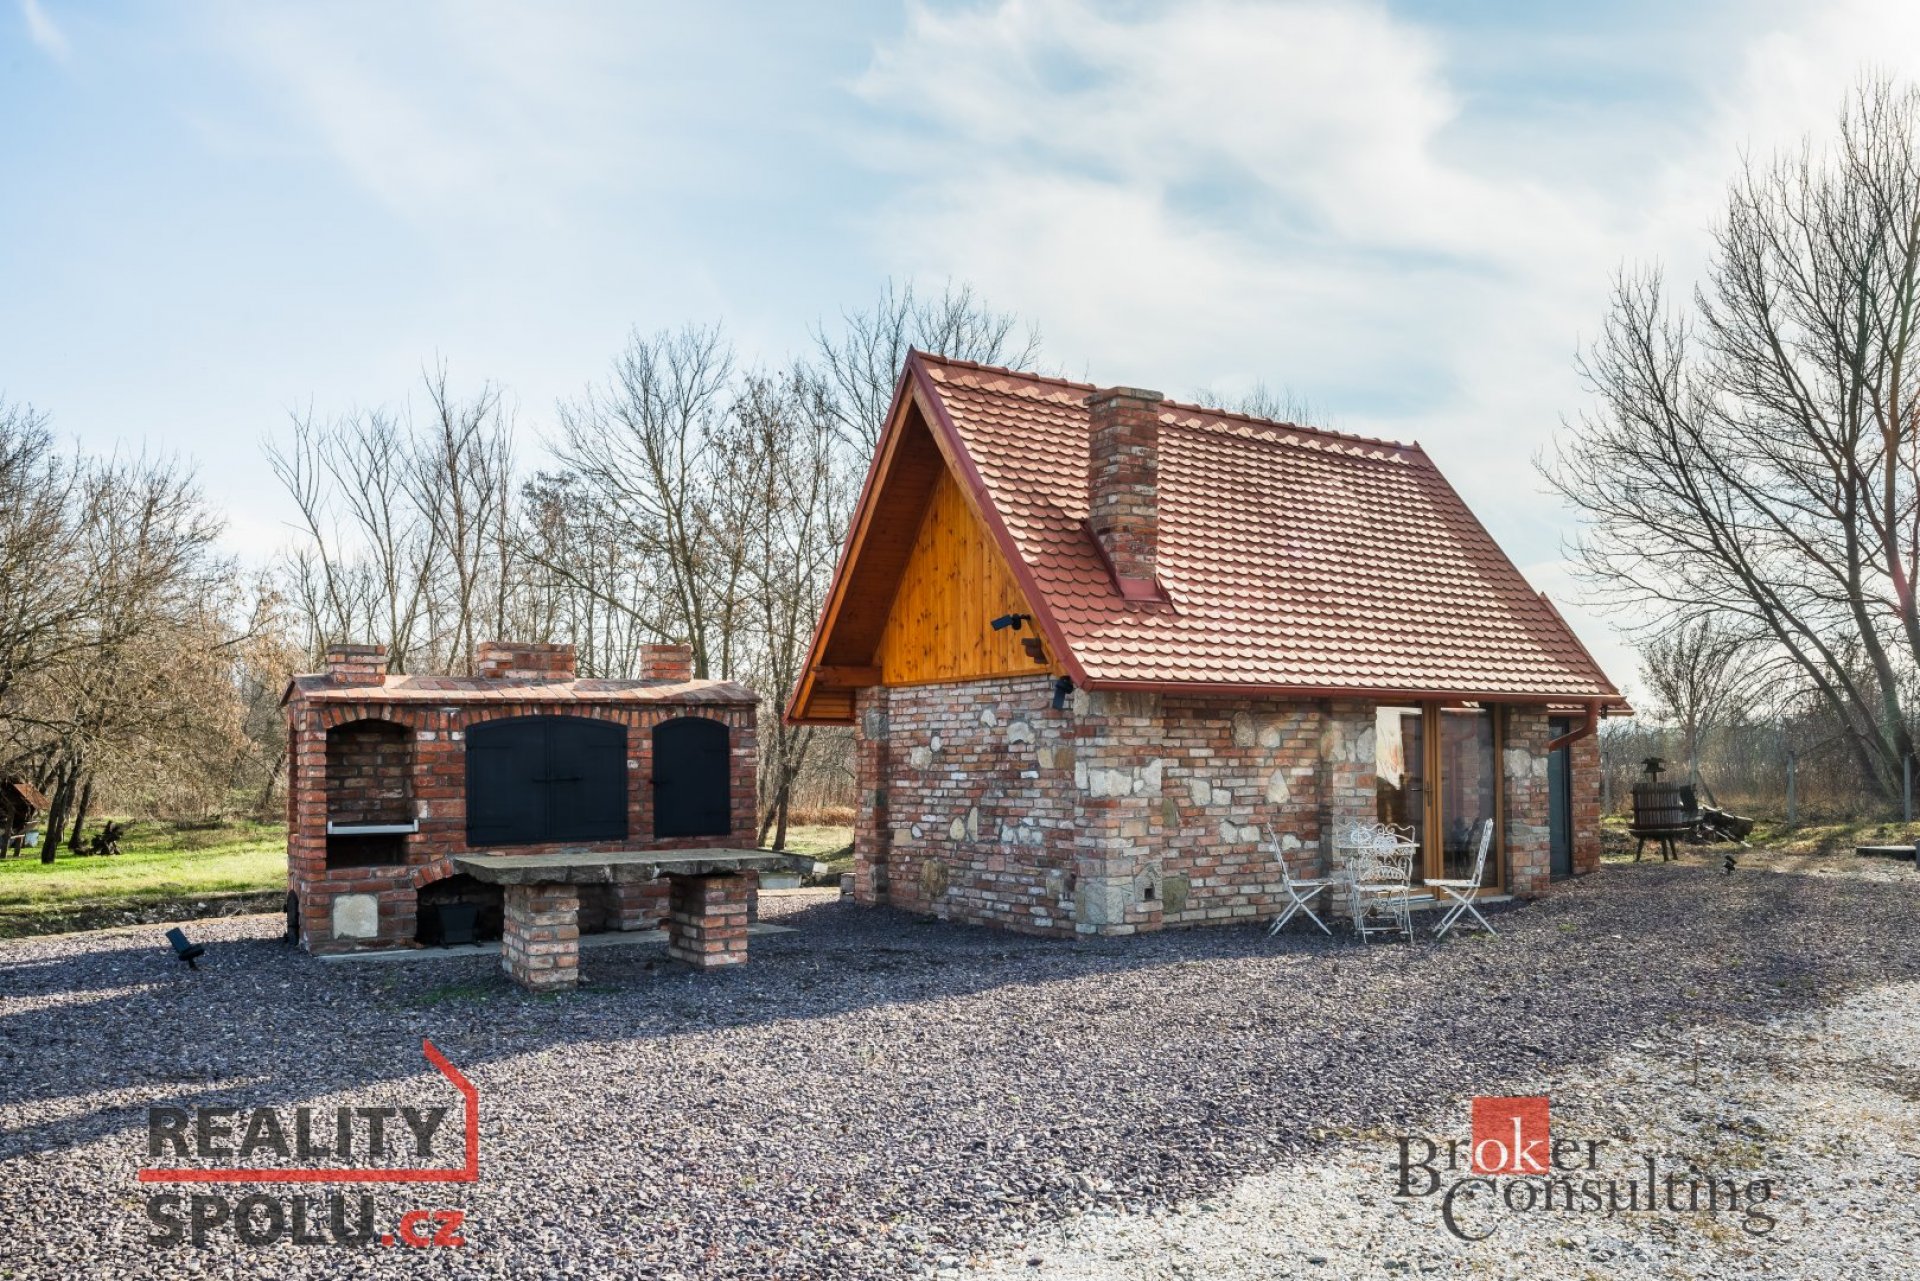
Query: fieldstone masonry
[[1524, 767], [1131, 812]]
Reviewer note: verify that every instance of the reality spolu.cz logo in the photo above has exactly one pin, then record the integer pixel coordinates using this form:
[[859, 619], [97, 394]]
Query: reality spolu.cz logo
[[1513, 1167], [344, 1146]]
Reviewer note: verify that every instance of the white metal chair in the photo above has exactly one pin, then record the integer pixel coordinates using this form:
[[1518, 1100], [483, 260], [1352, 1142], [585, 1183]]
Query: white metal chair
[[1462, 892], [1300, 893], [1382, 880]]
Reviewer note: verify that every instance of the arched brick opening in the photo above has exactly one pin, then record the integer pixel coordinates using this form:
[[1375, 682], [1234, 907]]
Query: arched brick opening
[[369, 793]]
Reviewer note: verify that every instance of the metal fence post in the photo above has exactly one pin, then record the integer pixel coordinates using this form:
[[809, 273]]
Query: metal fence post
[[1906, 788]]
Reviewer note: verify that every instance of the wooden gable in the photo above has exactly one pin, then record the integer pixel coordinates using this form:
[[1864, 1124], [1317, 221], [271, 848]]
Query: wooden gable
[[918, 586], [955, 584]]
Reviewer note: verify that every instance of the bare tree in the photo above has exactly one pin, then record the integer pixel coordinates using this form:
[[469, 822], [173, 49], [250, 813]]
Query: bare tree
[[790, 484], [1280, 404], [861, 363], [1760, 454], [405, 526], [1704, 677], [646, 448]]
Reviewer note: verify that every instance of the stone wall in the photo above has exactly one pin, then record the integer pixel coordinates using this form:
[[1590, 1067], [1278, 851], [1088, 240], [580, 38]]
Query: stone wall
[[966, 809], [1524, 777], [1125, 812]]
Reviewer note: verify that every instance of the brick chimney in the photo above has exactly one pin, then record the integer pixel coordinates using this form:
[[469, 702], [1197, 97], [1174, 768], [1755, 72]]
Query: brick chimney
[[523, 661], [357, 664], [1123, 485], [666, 663]]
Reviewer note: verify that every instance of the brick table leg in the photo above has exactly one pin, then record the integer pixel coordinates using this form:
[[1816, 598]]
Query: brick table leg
[[639, 905], [540, 944], [707, 926]]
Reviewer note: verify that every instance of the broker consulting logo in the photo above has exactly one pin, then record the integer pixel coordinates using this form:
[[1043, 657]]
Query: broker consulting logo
[[230, 1155], [1513, 1168]]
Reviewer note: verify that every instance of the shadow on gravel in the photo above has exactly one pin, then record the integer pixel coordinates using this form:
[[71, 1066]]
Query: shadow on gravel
[[1165, 1065]]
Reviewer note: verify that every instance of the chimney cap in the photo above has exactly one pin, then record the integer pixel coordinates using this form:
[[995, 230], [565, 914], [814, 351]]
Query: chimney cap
[[1124, 393]]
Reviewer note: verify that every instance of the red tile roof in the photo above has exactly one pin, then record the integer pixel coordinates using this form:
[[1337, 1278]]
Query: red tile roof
[[476, 689], [1292, 558]]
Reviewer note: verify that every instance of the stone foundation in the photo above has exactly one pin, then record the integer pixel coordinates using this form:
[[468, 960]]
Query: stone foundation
[[540, 942], [707, 920]]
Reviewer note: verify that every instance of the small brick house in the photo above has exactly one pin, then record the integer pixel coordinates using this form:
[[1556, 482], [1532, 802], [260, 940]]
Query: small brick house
[[394, 777], [1091, 642]]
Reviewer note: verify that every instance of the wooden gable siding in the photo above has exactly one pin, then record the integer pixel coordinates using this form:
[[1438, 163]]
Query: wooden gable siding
[[954, 585]]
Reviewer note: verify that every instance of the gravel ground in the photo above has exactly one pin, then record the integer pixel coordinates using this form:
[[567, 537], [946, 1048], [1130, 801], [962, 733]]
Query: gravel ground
[[874, 1096], [1825, 1107]]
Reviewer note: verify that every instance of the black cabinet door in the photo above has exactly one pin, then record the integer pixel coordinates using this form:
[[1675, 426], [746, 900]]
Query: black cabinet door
[[534, 779], [586, 780], [692, 778], [505, 806]]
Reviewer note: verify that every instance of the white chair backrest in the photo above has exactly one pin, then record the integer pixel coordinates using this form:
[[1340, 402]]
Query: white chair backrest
[[1279, 855], [1480, 856]]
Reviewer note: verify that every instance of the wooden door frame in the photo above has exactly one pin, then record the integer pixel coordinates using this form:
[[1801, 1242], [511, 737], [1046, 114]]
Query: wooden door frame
[[1433, 852]]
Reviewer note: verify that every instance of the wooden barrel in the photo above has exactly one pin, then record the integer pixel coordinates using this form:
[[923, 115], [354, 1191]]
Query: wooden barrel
[[1657, 805]]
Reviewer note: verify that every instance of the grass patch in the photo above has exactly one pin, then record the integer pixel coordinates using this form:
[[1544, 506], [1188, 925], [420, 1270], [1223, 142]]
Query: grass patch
[[1816, 837], [820, 841], [160, 865]]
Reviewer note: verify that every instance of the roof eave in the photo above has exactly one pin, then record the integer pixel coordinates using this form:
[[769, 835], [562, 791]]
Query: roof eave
[[1243, 689]]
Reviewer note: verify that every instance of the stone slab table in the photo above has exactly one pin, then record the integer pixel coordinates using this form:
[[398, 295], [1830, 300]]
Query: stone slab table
[[540, 939]]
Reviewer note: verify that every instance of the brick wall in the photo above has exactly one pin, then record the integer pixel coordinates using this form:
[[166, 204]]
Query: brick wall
[[523, 661], [1123, 468], [965, 810], [436, 737], [1233, 766], [1584, 768], [370, 773], [1125, 812], [540, 944], [1524, 771]]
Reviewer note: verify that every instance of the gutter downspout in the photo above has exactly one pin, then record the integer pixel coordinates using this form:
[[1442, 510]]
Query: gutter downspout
[[1574, 736]]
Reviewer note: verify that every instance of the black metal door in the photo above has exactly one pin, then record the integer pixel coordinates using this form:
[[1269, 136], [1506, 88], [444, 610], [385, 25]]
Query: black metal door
[[586, 779], [1560, 804], [692, 790], [506, 804], [533, 779]]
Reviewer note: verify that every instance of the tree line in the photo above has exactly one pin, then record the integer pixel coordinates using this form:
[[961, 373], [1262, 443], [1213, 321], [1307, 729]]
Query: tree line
[[684, 497]]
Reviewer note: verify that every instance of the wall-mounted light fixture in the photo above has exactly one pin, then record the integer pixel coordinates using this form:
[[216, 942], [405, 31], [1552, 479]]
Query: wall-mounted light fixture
[[1014, 621], [1062, 688]]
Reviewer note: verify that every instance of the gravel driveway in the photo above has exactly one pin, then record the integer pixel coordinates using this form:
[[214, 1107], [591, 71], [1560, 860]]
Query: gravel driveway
[[872, 1096]]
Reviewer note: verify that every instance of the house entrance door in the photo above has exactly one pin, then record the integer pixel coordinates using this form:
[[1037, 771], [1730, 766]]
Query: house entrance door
[[1437, 775]]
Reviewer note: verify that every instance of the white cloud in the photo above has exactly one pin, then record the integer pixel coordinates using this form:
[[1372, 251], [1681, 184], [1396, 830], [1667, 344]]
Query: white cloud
[[1224, 192], [42, 31]]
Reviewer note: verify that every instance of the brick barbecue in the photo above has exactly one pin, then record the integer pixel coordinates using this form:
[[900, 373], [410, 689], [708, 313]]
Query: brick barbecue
[[521, 803]]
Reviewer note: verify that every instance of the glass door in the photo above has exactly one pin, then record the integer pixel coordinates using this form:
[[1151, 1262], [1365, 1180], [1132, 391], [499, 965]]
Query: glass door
[[1400, 769], [1437, 774], [1469, 792]]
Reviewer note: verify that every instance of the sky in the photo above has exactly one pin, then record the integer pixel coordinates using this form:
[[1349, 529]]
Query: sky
[[215, 215]]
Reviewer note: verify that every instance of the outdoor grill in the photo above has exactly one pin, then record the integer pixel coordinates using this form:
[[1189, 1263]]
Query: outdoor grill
[[578, 793]]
